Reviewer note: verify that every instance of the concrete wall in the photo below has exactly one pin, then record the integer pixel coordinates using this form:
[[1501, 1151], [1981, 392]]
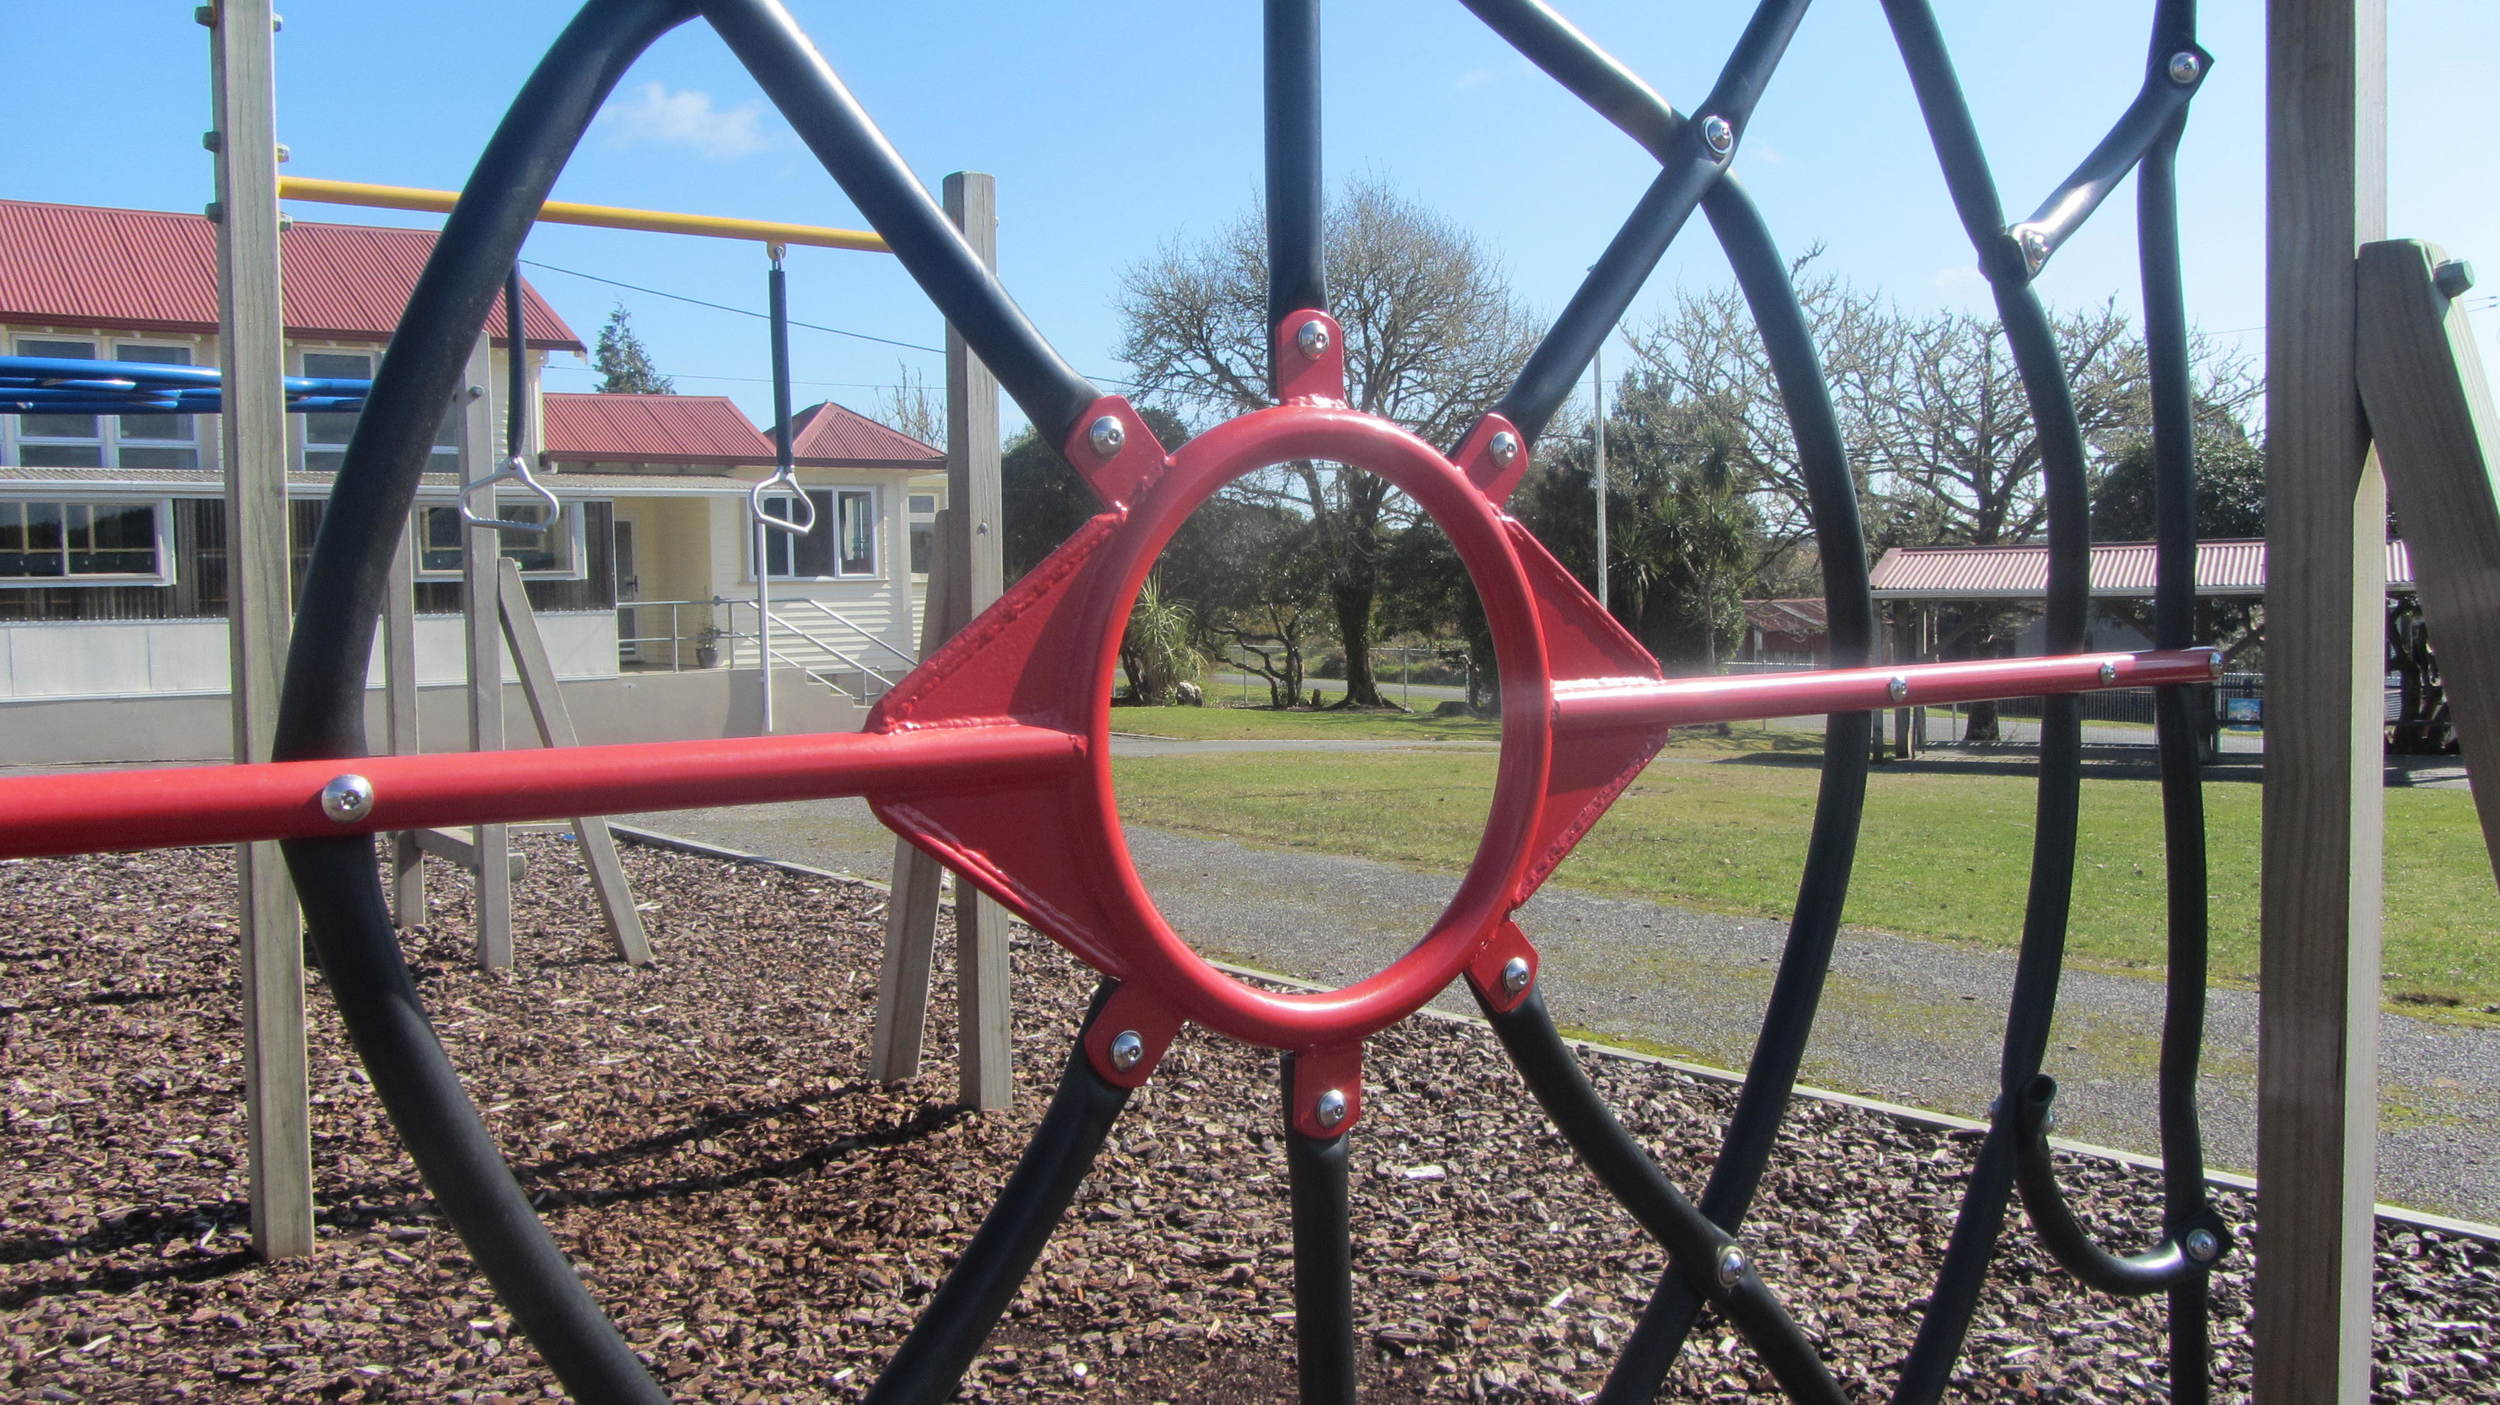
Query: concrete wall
[[634, 708], [133, 658]]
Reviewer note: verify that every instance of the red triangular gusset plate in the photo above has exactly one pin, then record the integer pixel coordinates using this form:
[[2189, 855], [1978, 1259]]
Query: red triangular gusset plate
[[1582, 642], [1029, 659]]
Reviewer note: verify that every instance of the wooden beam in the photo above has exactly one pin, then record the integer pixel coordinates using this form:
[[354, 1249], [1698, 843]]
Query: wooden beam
[[555, 728], [252, 440], [399, 695], [985, 1041], [2317, 1094], [911, 907], [459, 846], [482, 547], [2431, 416]]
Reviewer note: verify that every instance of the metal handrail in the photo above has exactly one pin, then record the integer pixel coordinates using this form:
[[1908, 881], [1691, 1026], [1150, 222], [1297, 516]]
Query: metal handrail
[[857, 664], [909, 661]]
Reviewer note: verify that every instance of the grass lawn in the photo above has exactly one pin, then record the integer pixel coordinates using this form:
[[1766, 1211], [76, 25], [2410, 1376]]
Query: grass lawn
[[1321, 724], [1941, 855]]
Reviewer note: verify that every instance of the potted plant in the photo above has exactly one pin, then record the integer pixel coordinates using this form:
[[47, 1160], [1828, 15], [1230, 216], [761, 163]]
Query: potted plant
[[707, 646]]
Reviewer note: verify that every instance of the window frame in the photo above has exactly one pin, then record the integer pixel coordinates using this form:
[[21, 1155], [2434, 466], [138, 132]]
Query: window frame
[[829, 520], [913, 520], [160, 512], [441, 457], [571, 531], [109, 439]]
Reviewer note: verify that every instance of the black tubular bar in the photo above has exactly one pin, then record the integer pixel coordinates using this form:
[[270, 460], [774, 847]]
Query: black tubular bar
[[777, 304], [1692, 167], [834, 126], [1805, 961], [2031, 339], [959, 1316], [516, 381], [2157, 104], [1323, 1262], [2167, 1265], [1707, 1256], [321, 710], [1585, 71], [1297, 275]]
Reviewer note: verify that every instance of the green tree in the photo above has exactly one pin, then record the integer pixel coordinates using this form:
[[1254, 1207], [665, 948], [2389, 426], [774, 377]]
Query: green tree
[[1432, 337], [1156, 651], [1044, 498], [624, 366], [2230, 502]]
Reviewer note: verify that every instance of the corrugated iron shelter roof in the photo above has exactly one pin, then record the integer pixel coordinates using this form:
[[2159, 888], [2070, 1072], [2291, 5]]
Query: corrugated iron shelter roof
[[2120, 570], [674, 429], [1804, 616], [156, 271], [826, 435]]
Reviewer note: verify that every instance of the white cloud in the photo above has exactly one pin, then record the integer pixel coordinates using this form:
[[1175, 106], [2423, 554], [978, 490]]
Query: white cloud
[[1957, 275], [654, 114]]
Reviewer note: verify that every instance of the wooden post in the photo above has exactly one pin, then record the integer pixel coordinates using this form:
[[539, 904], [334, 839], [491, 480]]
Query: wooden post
[[482, 548], [2317, 1092], [555, 728], [973, 491], [2431, 413], [399, 695], [252, 439], [912, 901]]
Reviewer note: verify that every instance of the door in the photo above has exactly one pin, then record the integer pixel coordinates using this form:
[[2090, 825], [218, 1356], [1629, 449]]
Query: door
[[629, 647]]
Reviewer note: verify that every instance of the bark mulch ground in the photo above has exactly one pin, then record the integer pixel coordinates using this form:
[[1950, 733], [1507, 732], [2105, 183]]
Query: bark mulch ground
[[764, 1225]]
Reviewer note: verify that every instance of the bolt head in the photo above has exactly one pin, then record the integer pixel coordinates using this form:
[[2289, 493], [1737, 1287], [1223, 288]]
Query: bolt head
[[1718, 134], [1127, 1050], [1106, 435], [2109, 673], [1505, 448], [2202, 1245], [2035, 246], [2186, 68], [1731, 1265], [2454, 278], [1331, 1108], [1897, 689], [1312, 339], [1515, 974], [347, 799], [2213, 662]]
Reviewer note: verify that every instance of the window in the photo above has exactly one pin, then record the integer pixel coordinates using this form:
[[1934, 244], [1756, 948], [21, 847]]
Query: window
[[326, 432], [549, 555], [106, 441], [923, 519], [843, 543], [70, 543]]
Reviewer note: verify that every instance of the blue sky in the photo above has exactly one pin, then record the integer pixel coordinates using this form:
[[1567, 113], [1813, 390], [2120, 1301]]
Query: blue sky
[[1114, 128]]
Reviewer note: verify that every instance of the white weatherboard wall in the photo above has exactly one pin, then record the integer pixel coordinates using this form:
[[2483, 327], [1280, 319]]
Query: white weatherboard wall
[[173, 658]]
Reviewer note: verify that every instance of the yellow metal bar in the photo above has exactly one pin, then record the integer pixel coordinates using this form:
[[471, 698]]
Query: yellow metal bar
[[404, 197]]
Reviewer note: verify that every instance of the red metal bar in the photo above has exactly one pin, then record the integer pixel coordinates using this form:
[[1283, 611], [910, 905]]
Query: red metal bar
[[1641, 704], [89, 812]]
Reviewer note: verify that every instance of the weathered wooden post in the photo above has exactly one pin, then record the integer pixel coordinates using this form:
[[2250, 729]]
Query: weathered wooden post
[[2326, 507]]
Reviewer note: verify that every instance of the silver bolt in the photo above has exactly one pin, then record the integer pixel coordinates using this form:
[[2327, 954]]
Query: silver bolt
[[1731, 1265], [2035, 246], [347, 799], [1127, 1050], [2202, 1245], [1312, 340], [1515, 974], [1332, 1108], [1898, 688], [2109, 673], [1505, 448], [2186, 67], [2213, 662], [1718, 135], [1107, 435]]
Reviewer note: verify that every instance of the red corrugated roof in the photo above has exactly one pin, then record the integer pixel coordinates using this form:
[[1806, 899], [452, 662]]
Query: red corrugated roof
[[826, 435], [1805, 616], [2235, 566], [156, 271], [680, 429]]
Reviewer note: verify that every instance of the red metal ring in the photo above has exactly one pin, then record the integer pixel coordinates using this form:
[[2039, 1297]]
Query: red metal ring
[[1155, 957]]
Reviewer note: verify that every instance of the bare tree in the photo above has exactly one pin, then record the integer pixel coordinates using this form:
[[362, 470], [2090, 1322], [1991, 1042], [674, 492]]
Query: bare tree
[[909, 406], [1432, 337]]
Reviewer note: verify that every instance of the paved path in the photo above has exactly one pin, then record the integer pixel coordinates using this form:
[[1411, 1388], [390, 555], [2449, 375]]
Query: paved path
[[1905, 1020]]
